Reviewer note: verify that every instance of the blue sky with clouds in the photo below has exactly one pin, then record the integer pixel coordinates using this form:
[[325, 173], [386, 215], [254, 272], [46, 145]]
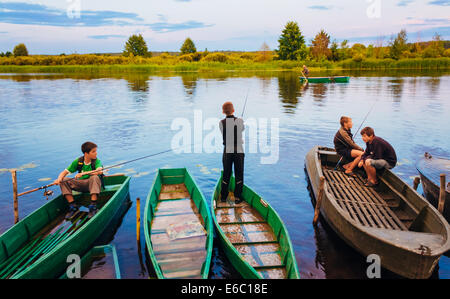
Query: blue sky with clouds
[[81, 26]]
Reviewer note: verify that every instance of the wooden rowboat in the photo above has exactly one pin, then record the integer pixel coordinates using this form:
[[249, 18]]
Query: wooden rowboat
[[430, 168], [340, 79], [253, 236], [175, 215], [38, 245], [100, 262], [393, 220]]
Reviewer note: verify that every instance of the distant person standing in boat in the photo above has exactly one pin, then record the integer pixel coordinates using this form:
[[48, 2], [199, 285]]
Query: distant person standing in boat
[[305, 71], [231, 128], [346, 147], [379, 154], [91, 183]]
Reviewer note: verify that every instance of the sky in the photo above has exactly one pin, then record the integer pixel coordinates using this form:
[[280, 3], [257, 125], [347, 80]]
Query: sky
[[100, 26]]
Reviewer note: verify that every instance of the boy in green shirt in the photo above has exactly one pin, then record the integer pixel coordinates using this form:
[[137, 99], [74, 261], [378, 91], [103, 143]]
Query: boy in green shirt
[[85, 180]]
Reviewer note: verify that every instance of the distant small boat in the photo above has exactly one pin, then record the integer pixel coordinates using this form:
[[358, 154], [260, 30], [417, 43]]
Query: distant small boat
[[430, 168], [178, 227], [253, 236], [340, 79], [392, 221]]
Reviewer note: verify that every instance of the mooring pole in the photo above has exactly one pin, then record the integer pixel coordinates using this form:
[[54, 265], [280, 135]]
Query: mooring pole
[[15, 196], [416, 182], [138, 219], [319, 200], [442, 194]]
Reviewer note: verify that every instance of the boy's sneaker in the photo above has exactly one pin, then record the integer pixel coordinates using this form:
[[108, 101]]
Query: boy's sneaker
[[73, 209], [92, 209]]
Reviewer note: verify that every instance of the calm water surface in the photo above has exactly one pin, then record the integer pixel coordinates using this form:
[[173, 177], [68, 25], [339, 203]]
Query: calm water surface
[[45, 118]]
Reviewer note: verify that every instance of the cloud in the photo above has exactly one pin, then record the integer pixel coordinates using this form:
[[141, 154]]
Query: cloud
[[404, 2], [320, 7], [106, 36], [428, 22], [162, 27], [440, 2], [38, 14]]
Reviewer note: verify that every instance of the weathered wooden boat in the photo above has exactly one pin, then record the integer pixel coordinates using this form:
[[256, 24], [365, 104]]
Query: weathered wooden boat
[[92, 264], [340, 79], [253, 236], [430, 168], [38, 245], [174, 211], [392, 221]]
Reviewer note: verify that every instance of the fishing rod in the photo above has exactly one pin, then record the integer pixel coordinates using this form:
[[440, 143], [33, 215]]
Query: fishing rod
[[245, 103], [365, 118], [47, 193]]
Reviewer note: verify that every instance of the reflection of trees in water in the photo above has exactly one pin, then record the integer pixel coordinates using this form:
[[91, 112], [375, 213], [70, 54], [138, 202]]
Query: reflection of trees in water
[[319, 91], [290, 89], [395, 86], [433, 83], [190, 84], [138, 83]]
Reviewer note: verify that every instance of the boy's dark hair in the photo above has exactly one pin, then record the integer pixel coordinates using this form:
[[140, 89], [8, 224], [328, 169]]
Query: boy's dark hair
[[87, 147], [344, 119], [368, 131], [227, 108]]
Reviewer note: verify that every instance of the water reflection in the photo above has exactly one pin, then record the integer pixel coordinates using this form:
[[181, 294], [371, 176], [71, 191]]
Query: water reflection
[[138, 83], [290, 90], [396, 88], [190, 84]]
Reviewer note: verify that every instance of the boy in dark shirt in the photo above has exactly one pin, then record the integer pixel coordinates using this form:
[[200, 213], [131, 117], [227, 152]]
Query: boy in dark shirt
[[233, 153], [346, 147], [90, 182], [379, 154]]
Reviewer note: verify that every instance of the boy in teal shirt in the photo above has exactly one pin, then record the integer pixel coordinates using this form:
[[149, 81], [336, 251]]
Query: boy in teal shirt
[[83, 182]]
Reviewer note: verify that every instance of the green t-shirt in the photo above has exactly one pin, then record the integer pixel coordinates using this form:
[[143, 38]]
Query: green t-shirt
[[73, 167]]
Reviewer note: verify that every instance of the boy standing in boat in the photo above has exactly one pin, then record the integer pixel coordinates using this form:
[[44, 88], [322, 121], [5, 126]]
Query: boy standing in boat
[[346, 147], [231, 128], [83, 182], [379, 154]]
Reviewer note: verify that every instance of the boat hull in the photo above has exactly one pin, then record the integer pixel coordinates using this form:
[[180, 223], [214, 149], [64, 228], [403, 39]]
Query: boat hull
[[168, 177], [342, 79], [415, 263], [267, 212], [55, 262]]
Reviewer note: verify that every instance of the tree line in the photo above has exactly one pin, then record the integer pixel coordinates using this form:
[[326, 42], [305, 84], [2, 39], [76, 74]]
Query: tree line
[[292, 46]]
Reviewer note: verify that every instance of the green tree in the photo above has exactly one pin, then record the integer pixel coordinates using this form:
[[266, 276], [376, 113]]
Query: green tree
[[398, 45], [137, 46], [291, 43], [344, 51], [319, 48], [8, 54], [188, 47], [20, 50], [334, 51]]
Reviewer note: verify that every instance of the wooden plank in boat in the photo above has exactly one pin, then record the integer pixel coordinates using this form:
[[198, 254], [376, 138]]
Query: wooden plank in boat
[[276, 273], [261, 254], [184, 274], [260, 232], [174, 188], [243, 214]]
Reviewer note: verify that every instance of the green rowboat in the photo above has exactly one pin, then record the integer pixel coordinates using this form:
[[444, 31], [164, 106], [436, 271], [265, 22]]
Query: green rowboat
[[178, 226], [341, 79], [38, 245], [253, 236], [392, 221]]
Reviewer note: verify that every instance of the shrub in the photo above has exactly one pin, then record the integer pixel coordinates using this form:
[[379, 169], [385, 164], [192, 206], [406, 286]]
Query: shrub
[[215, 57]]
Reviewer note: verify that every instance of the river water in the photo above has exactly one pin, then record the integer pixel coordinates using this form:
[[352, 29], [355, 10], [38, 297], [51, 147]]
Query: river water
[[46, 117]]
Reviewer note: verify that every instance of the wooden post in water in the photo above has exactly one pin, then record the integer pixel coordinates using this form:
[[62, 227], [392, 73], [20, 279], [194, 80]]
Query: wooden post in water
[[442, 194], [15, 196], [319, 200], [416, 182], [138, 219]]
